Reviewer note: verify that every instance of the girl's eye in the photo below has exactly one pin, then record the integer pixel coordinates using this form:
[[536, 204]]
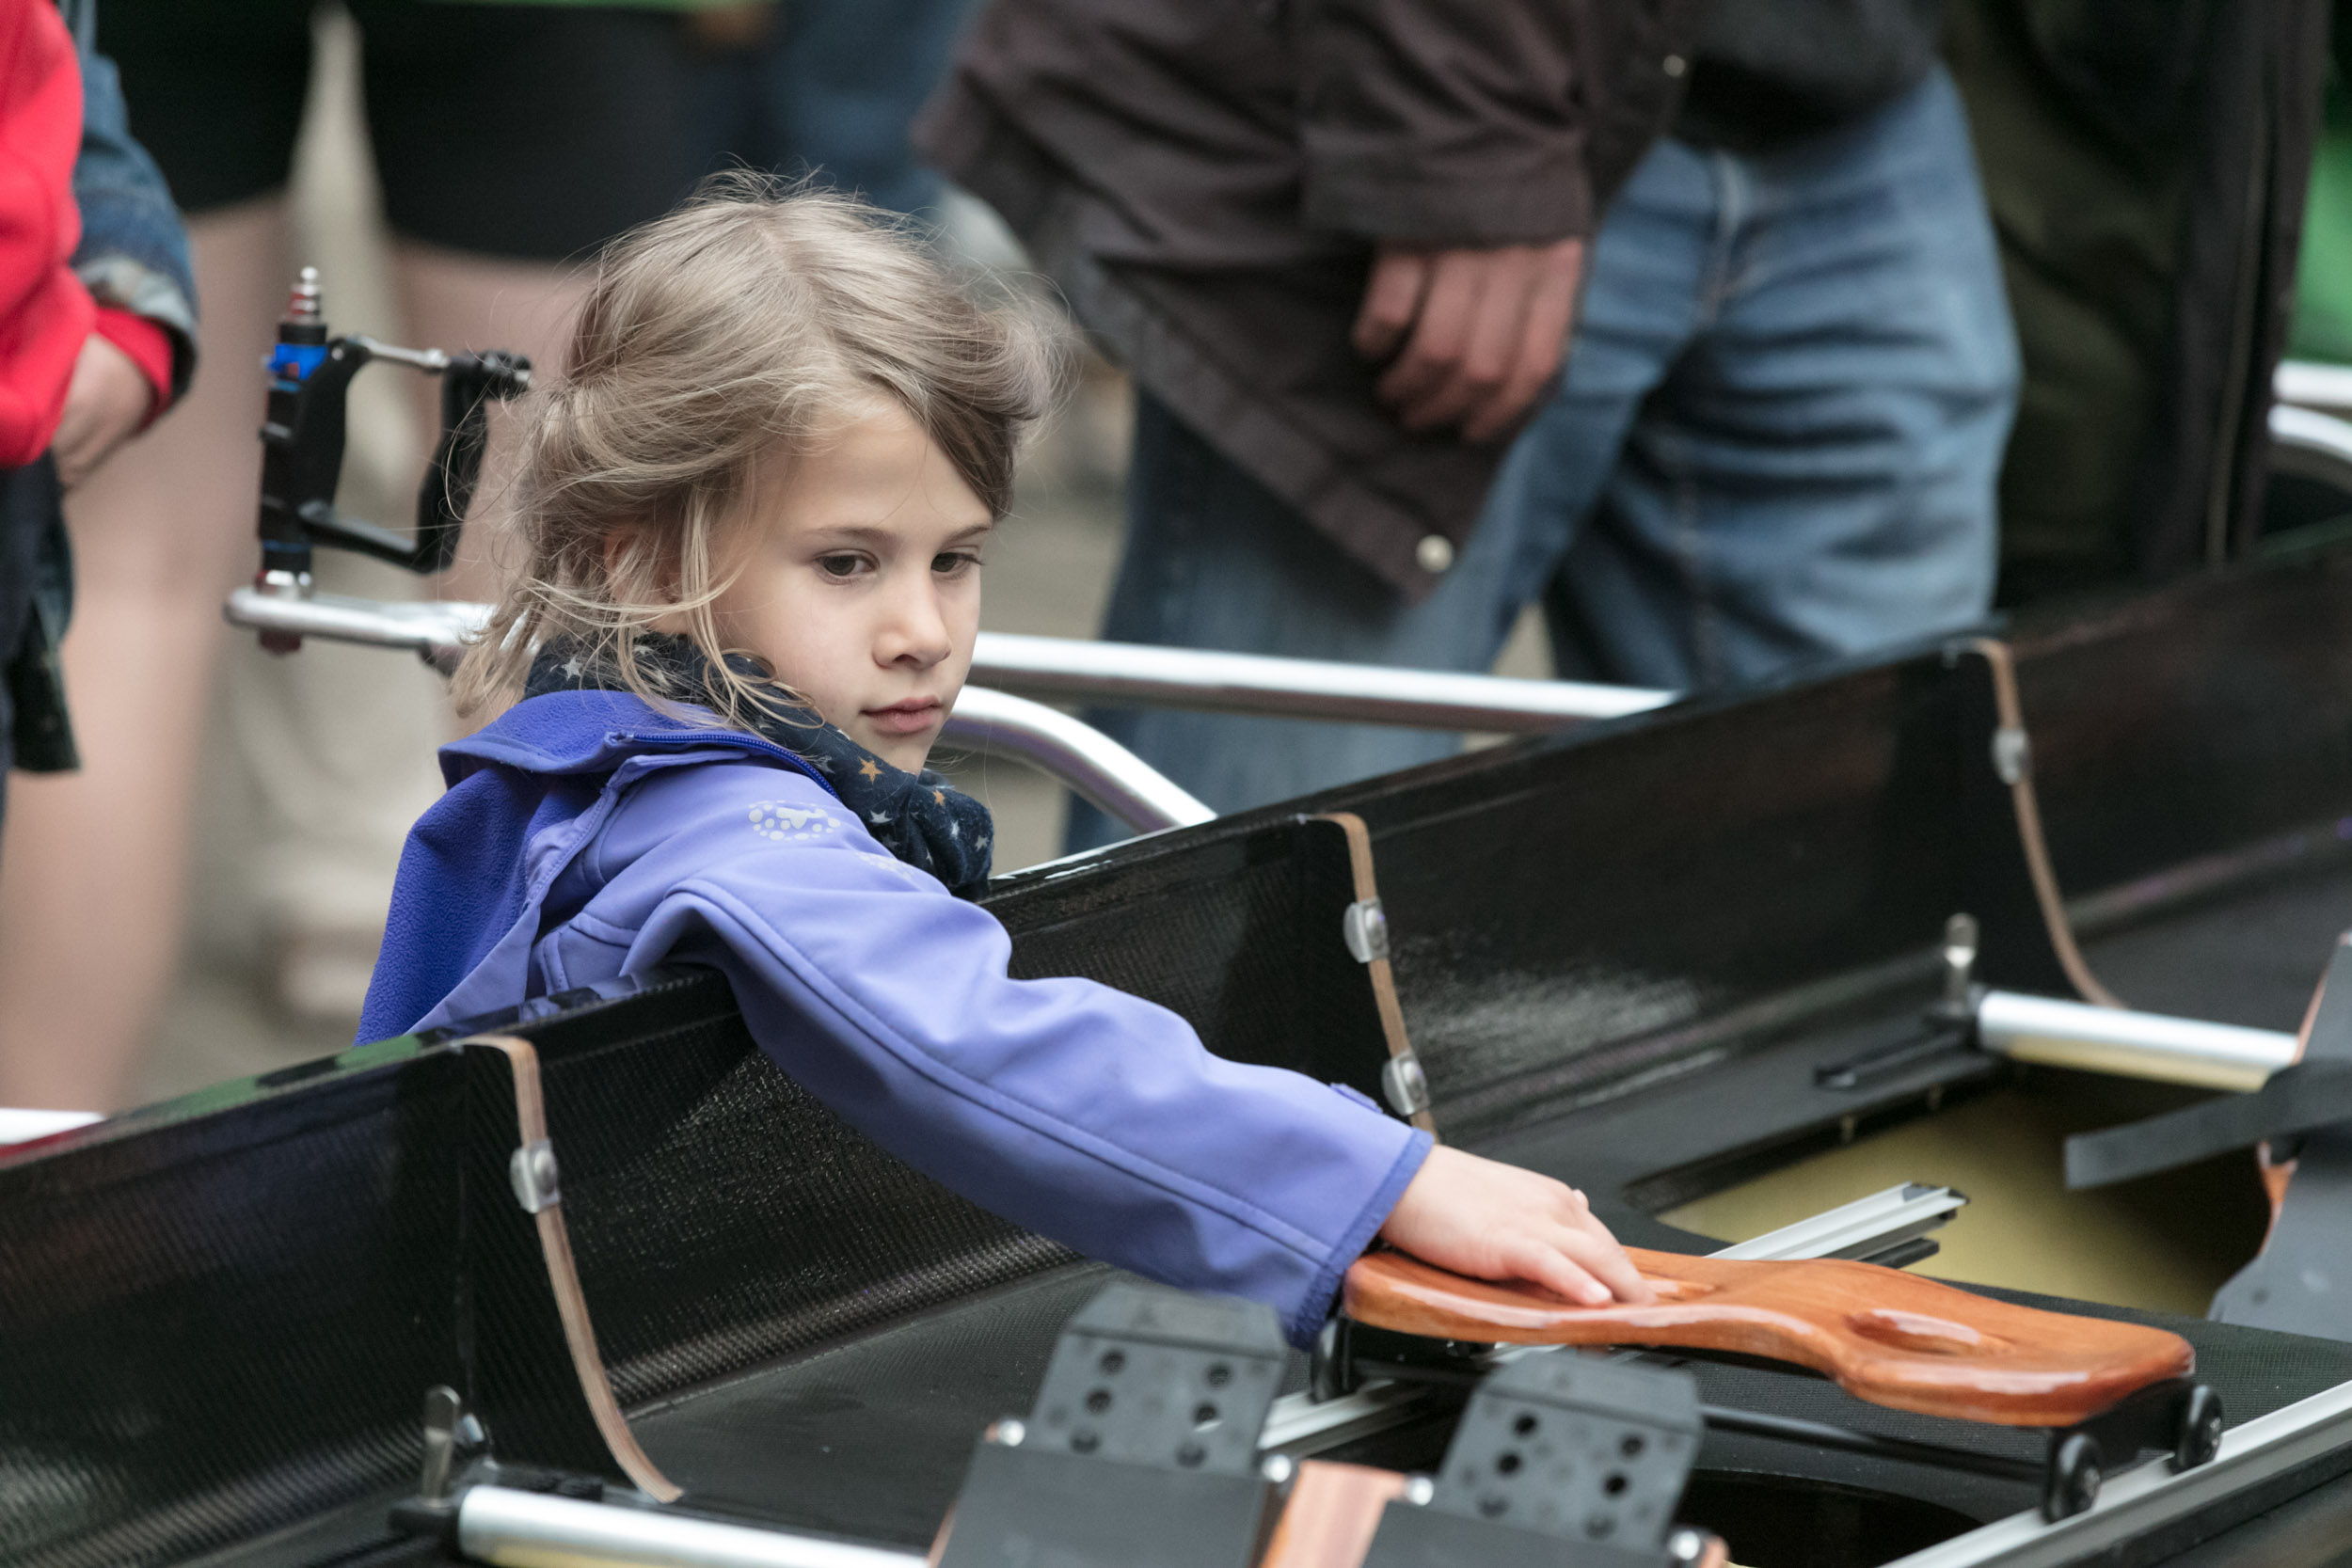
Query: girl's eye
[[840, 566], [952, 562]]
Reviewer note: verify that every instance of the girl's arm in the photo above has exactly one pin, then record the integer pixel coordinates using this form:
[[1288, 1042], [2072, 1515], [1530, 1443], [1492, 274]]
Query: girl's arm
[[1077, 1111]]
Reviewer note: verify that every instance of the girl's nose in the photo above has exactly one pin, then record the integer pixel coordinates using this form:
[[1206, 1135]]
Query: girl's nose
[[915, 633]]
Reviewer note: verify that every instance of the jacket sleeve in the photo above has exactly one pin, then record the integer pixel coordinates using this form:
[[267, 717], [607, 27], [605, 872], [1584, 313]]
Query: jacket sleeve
[[1075, 1110], [1446, 121], [134, 252]]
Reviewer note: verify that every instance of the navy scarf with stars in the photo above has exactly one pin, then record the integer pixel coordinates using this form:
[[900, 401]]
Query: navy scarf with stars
[[919, 817]]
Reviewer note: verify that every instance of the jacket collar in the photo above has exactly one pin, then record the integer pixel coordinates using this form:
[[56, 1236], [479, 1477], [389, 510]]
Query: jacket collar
[[578, 732]]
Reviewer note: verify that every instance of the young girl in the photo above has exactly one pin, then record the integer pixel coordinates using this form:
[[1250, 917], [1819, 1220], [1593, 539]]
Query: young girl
[[753, 509]]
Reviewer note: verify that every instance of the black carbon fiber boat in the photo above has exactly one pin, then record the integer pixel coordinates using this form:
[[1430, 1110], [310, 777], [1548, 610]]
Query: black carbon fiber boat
[[1666, 959]]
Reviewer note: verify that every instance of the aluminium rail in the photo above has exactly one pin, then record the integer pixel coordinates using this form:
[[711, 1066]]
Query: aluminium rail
[[1069, 668], [511, 1529], [2139, 1502], [2312, 444], [1075, 754], [2127, 1044], [1129, 673], [2306, 384]]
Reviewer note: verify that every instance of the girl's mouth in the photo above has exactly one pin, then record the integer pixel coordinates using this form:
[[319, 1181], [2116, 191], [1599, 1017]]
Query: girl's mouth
[[911, 717]]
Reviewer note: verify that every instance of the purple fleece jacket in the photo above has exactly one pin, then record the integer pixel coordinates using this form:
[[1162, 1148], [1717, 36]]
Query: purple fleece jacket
[[586, 836]]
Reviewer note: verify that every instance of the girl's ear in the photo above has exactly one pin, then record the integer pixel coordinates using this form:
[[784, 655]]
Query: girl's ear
[[641, 574], [616, 542], [634, 574]]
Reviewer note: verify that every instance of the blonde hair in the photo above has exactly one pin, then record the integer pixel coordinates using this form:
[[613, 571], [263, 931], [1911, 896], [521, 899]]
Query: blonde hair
[[754, 317]]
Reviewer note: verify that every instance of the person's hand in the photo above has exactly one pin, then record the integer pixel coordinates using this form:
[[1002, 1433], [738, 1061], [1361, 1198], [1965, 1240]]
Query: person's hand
[[1492, 1221], [1482, 331], [105, 403]]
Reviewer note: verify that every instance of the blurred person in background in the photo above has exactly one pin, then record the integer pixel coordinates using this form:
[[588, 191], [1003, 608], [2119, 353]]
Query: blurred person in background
[[1341, 249], [1779, 434], [508, 140], [98, 318], [826, 89], [2148, 170]]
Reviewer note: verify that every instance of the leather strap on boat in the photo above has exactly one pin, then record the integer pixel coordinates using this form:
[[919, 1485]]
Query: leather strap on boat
[[555, 1246], [1377, 965], [2013, 757]]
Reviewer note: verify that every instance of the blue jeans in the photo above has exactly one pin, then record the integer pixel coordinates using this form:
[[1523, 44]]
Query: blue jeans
[[831, 95], [1776, 440]]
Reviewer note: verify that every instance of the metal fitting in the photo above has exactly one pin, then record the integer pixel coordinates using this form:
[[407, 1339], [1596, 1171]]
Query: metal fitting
[[532, 1173]]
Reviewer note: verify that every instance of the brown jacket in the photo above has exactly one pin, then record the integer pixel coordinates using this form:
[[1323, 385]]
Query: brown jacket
[[1205, 179]]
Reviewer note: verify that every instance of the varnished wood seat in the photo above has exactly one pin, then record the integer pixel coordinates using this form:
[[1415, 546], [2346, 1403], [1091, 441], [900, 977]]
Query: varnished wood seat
[[1883, 1336]]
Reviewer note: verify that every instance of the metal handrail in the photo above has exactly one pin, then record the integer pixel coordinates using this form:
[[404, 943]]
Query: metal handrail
[[1114, 673], [2317, 446], [2303, 384], [1075, 754], [435, 630], [1204, 679], [2128, 1044]]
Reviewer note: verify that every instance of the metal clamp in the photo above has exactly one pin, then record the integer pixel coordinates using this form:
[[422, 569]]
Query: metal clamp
[[1364, 926], [1403, 1085], [2013, 755], [532, 1173]]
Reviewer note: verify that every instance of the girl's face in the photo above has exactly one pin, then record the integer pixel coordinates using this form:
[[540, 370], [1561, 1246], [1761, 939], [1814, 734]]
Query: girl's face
[[859, 582]]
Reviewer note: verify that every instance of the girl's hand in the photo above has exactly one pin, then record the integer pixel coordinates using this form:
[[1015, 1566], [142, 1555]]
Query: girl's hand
[[1492, 1221]]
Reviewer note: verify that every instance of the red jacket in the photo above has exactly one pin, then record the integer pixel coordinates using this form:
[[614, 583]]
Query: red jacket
[[46, 313]]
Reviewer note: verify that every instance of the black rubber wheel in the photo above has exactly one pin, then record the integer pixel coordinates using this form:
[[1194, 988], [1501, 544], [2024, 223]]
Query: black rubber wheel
[[2200, 1435], [2072, 1483], [1332, 1370]]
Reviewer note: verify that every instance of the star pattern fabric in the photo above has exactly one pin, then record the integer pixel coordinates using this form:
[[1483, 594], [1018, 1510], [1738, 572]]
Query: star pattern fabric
[[919, 817]]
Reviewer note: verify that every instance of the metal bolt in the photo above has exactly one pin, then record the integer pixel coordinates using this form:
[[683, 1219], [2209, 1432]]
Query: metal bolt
[[303, 307], [1008, 1433], [1419, 1490], [1959, 958], [1278, 1468], [1686, 1545]]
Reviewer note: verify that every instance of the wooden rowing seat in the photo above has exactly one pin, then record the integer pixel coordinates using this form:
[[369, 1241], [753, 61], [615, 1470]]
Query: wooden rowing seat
[[1881, 1334]]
